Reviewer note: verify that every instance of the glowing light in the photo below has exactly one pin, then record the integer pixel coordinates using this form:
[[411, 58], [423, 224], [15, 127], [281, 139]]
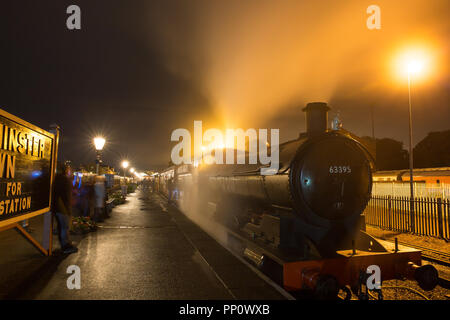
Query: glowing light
[[125, 164], [413, 62], [99, 143], [414, 66], [214, 146], [132, 170], [36, 174]]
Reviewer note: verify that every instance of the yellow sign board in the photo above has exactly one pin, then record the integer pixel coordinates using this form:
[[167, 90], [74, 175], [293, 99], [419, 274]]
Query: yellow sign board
[[27, 165]]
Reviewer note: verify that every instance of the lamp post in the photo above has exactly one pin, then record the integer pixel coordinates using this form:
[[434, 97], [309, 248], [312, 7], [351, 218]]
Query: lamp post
[[412, 62], [99, 143], [125, 165], [413, 67]]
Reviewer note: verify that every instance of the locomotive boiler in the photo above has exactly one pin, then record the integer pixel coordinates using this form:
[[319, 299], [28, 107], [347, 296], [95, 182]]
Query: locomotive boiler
[[305, 224]]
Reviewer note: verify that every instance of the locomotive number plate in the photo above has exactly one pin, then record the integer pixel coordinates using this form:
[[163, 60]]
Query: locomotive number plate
[[340, 169]]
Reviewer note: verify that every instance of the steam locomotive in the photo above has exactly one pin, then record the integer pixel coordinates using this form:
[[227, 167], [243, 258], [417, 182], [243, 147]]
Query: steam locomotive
[[304, 225]]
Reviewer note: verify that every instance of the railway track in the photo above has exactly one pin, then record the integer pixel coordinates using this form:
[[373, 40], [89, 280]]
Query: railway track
[[432, 255], [259, 273], [437, 256]]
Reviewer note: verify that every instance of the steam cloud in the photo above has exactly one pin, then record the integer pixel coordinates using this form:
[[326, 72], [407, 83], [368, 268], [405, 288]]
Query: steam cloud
[[255, 58]]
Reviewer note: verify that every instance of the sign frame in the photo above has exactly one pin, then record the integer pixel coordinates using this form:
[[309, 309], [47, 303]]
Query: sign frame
[[13, 222]]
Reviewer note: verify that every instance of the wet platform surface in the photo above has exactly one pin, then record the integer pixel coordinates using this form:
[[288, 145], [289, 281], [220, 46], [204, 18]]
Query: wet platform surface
[[146, 250]]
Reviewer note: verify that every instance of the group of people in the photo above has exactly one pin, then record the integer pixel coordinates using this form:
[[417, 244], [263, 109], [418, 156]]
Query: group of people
[[87, 199]]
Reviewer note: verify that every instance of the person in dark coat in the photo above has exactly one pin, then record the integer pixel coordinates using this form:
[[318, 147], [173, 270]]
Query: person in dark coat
[[84, 199], [173, 190], [63, 207], [100, 192], [170, 187]]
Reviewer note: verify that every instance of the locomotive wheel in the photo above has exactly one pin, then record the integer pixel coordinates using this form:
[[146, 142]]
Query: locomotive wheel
[[427, 277], [327, 288]]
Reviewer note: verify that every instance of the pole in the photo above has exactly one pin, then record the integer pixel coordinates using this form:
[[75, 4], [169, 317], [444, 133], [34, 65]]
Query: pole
[[97, 161], [411, 181], [47, 241], [373, 136]]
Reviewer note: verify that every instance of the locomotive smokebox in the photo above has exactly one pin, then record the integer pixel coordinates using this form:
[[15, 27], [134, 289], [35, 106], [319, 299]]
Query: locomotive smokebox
[[316, 117]]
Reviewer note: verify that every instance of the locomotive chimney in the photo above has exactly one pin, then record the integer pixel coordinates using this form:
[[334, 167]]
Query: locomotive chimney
[[316, 117]]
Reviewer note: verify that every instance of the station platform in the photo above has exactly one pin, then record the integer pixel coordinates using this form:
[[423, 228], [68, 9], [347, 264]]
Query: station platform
[[146, 250]]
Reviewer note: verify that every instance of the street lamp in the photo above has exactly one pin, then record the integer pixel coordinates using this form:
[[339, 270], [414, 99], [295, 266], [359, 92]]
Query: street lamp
[[125, 165], [132, 170], [413, 68], [99, 143], [413, 64]]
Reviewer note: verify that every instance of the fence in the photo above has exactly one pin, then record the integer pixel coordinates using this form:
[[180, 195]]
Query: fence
[[431, 216], [402, 189]]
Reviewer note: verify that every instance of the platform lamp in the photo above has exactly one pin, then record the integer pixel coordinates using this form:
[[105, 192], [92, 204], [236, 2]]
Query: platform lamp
[[125, 165], [99, 143], [132, 170]]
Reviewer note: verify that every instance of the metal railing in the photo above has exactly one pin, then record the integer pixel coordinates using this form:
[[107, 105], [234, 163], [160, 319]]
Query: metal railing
[[402, 189], [431, 216]]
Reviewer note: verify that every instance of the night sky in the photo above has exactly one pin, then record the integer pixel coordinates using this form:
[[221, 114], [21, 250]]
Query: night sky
[[137, 70]]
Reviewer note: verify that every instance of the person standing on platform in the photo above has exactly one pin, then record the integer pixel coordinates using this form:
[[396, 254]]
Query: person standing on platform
[[124, 188], [152, 185], [172, 190], [91, 198], [105, 200], [99, 189], [84, 199], [63, 207]]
